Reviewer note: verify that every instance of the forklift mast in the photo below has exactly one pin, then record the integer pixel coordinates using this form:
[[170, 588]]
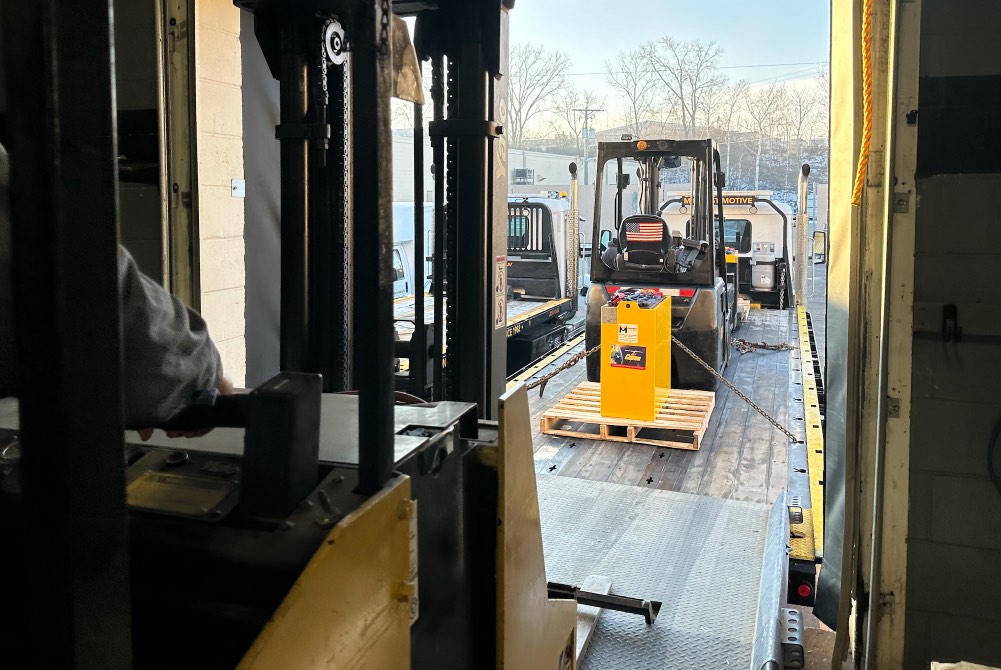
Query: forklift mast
[[334, 62]]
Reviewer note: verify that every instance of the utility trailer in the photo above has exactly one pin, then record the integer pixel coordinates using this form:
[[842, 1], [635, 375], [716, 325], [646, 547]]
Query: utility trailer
[[727, 537], [544, 270], [760, 231]]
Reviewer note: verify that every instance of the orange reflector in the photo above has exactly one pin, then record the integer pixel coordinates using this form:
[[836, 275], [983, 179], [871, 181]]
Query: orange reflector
[[641, 145]]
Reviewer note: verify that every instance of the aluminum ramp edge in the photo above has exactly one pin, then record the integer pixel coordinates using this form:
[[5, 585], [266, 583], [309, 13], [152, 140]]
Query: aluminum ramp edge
[[701, 556], [766, 653]]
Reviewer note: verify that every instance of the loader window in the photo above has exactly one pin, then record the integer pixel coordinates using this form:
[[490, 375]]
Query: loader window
[[732, 228]]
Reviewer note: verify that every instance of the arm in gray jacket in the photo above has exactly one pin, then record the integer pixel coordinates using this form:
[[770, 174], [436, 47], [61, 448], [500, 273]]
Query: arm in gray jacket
[[169, 358]]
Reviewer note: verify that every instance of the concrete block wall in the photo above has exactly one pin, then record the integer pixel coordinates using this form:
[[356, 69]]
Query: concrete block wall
[[954, 526], [219, 118]]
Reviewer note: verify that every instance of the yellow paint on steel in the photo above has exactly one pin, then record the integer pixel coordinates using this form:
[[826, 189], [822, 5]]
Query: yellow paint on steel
[[801, 538], [731, 258], [533, 632], [814, 432], [351, 606], [546, 361]]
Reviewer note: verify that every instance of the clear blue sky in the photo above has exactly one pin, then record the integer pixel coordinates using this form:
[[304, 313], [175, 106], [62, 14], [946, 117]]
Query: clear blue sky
[[751, 32]]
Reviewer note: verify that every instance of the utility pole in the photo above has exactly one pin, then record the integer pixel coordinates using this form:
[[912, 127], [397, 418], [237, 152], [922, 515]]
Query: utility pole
[[587, 134]]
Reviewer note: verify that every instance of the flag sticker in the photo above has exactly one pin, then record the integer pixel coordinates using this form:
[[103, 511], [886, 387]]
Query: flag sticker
[[629, 333]]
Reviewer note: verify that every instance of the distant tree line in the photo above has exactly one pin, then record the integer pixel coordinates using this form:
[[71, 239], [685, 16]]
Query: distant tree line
[[675, 88]]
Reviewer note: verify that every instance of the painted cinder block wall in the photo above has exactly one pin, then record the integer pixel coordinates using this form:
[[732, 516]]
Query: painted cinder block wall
[[954, 525]]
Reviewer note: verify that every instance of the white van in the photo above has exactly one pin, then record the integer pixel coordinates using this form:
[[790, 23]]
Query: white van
[[411, 276]]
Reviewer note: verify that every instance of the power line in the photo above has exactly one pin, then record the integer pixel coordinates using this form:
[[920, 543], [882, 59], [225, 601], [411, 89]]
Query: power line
[[721, 67], [781, 77], [587, 133]]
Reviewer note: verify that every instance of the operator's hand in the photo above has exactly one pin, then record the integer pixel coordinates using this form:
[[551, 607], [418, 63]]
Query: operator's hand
[[225, 387]]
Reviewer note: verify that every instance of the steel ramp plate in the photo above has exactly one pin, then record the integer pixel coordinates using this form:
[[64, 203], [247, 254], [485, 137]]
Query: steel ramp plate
[[701, 556]]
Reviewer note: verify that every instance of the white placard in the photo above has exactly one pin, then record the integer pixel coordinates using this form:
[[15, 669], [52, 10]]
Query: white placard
[[629, 333]]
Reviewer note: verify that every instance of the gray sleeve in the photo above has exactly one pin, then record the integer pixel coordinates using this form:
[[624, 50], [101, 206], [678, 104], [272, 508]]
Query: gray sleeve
[[168, 355]]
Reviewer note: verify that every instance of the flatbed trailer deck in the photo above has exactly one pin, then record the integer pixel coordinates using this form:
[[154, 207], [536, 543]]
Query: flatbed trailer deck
[[690, 528], [521, 314], [742, 457]]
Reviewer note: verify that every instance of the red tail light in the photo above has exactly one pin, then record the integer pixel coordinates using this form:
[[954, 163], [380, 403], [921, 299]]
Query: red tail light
[[804, 590]]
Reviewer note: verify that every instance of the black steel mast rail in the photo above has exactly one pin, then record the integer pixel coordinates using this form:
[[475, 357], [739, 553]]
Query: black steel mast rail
[[72, 560]]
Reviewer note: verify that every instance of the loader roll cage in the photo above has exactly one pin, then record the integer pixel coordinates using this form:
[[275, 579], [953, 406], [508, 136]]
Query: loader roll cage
[[707, 181]]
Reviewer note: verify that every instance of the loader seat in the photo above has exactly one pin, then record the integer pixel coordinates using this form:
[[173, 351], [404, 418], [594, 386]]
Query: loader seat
[[643, 240]]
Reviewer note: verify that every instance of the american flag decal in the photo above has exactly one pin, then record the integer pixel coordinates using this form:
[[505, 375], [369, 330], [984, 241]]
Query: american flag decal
[[644, 231]]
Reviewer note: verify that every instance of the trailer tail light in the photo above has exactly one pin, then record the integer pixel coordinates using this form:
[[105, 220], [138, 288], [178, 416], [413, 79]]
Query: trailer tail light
[[804, 591]]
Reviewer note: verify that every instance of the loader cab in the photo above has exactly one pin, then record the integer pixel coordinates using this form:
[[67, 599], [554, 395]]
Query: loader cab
[[682, 256]]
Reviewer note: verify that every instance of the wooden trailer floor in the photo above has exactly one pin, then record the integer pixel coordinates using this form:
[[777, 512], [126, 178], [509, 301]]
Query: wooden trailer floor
[[742, 457]]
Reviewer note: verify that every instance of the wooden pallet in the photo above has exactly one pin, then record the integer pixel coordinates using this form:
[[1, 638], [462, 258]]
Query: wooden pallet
[[683, 416]]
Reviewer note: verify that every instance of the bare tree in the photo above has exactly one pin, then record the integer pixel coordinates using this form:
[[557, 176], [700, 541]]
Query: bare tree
[[713, 101], [689, 71], [764, 108], [536, 75], [630, 75], [729, 110], [819, 122], [801, 110], [566, 105]]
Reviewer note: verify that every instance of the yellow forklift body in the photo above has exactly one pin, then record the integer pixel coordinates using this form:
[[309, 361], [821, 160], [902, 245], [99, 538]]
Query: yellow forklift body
[[351, 606]]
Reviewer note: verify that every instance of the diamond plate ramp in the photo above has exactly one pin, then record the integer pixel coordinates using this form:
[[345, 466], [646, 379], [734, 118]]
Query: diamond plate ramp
[[700, 556]]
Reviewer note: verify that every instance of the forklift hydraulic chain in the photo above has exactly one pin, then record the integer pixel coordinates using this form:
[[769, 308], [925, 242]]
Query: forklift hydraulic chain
[[579, 356]]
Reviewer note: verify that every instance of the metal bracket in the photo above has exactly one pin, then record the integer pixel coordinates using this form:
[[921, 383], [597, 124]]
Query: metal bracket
[[951, 330], [792, 639], [465, 128], [901, 202], [893, 408]]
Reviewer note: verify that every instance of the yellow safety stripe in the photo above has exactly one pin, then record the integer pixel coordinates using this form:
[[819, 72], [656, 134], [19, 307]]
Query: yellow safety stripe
[[814, 433], [546, 361], [801, 537]]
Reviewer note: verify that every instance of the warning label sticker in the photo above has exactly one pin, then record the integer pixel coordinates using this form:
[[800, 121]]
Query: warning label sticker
[[500, 291], [629, 333]]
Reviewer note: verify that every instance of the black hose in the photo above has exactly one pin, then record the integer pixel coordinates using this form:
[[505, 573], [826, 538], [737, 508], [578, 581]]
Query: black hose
[[991, 449]]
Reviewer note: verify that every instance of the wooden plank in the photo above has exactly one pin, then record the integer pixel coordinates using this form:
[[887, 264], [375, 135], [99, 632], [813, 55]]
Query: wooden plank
[[587, 615]]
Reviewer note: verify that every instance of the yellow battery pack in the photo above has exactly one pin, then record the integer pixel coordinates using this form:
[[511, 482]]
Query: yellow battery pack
[[635, 358]]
